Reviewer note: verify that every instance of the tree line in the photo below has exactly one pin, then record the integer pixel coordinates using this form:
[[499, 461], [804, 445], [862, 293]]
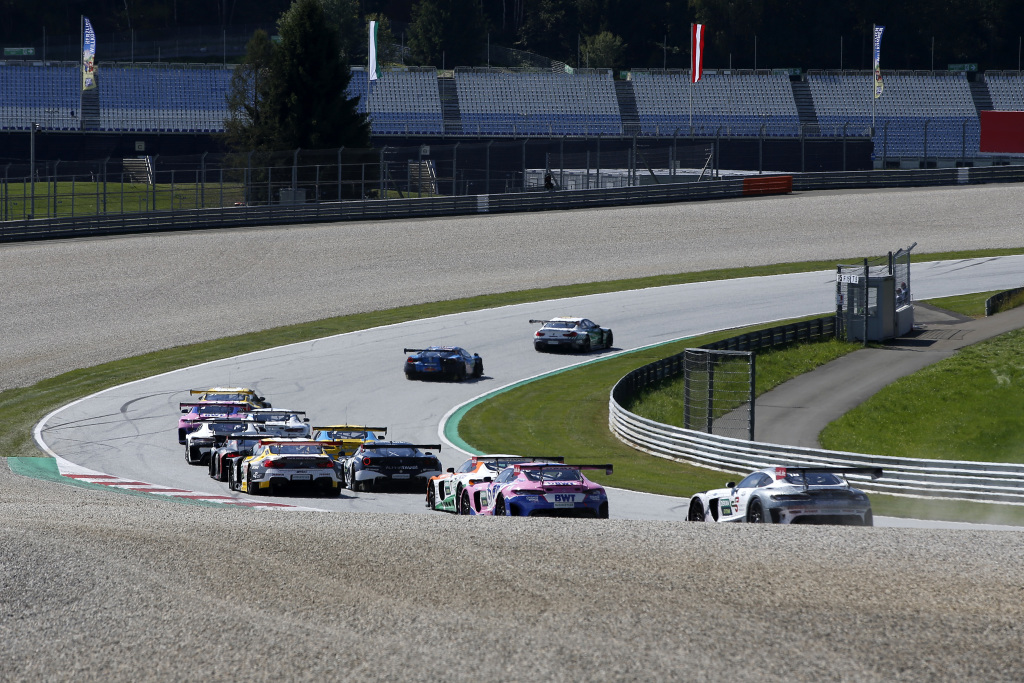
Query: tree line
[[616, 34]]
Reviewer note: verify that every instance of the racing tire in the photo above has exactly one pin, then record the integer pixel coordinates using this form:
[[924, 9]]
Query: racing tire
[[696, 512], [188, 456], [602, 512], [463, 506], [460, 373], [755, 513], [431, 497], [478, 368], [869, 519], [609, 340], [355, 484], [586, 344], [499, 507]]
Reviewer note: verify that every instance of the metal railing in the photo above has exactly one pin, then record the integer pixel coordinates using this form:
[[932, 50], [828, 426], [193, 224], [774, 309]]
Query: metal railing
[[975, 481]]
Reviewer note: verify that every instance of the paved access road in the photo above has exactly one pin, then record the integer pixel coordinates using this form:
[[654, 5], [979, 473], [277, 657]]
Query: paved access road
[[130, 431]]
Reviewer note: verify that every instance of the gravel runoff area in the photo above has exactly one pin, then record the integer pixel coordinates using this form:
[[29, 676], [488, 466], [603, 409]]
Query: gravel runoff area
[[98, 585], [76, 303]]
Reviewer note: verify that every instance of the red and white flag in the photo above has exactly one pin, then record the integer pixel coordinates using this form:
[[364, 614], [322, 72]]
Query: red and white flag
[[696, 51]]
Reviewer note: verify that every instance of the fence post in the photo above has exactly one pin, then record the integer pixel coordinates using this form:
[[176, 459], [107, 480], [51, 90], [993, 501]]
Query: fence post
[[295, 171], [487, 167], [750, 399], [155, 176], [202, 184], [104, 185], [599, 160], [709, 364], [455, 160], [361, 190]]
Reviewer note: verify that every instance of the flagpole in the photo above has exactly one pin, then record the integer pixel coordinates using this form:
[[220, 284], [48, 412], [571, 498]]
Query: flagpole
[[871, 88], [690, 89]]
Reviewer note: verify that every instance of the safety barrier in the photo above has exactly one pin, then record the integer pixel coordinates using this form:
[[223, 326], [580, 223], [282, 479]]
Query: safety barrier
[[976, 481], [382, 209]]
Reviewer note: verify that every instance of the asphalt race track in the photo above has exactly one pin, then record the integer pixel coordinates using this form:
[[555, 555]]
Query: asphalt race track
[[104, 586], [357, 378]]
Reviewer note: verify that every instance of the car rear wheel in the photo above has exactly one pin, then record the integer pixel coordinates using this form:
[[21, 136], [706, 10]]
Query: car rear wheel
[[696, 513], [431, 497], [756, 514], [869, 519], [602, 512], [586, 344], [460, 372]]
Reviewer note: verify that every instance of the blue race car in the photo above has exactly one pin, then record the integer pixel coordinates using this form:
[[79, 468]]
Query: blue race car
[[443, 362]]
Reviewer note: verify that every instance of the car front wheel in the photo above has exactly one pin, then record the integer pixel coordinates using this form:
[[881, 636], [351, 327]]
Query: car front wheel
[[696, 513]]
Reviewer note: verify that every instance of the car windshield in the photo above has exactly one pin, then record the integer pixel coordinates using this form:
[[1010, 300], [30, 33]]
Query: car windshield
[[225, 397], [344, 435], [272, 417], [398, 452], [296, 449], [560, 325], [553, 474], [813, 479], [214, 410], [226, 427]]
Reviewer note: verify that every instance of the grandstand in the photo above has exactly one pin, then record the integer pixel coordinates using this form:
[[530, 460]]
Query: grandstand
[[920, 114]]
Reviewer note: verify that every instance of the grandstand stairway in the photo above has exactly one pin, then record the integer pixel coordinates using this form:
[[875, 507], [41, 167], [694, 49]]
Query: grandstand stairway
[[138, 170], [90, 114], [981, 95], [450, 111], [627, 107], [805, 106]]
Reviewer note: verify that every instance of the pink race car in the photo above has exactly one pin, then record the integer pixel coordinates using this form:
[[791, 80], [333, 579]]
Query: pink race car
[[193, 413], [539, 489]]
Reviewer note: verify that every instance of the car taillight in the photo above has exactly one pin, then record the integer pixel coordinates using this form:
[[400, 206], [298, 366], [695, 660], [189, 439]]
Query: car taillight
[[409, 360], [571, 335], [367, 462], [539, 334], [268, 463]]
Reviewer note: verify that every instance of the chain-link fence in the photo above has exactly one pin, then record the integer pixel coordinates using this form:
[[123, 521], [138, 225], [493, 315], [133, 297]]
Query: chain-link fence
[[719, 392], [873, 291]]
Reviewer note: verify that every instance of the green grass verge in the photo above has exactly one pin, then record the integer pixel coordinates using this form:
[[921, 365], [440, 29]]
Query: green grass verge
[[24, 407], [972, 305], [967, 407]]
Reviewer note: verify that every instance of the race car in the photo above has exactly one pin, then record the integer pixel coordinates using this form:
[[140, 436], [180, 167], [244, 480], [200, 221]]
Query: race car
[[443, 362], [211, 434], [788, 495], [539, 489], [571, 334], [237, 445], [283, 423], [399, 463], [230, 394], [341, 441], [444, 491], [278, 464], [191, 413]]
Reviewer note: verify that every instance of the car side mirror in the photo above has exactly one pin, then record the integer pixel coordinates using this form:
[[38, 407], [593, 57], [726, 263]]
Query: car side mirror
[[306, 420], [450, 470], [731, 485]]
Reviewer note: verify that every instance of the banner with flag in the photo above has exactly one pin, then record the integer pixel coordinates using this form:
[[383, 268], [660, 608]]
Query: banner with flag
[[88, 55], [696, 51], [372, 66], [877, 49]]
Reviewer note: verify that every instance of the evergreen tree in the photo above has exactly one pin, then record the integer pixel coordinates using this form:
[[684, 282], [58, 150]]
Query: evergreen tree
[[248, 125], [307, 100], [447, 33]]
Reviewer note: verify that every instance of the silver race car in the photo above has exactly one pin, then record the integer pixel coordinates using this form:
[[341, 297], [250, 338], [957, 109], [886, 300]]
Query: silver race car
[[788, 495], [571, 334]]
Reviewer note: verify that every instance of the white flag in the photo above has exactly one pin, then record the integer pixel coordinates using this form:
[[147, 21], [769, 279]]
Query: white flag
[[373, 51]]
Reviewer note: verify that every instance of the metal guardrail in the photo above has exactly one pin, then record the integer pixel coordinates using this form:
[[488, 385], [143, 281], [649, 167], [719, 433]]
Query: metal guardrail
[[381, 209], [976, 481]]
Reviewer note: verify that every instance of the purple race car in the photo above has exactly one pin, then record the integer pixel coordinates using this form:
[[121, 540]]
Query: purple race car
[[193, 413], [539, 489]]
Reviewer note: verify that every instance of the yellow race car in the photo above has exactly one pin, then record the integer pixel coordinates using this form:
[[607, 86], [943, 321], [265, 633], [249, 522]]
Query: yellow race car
[[277, 465], [341, 441], [230, 394]]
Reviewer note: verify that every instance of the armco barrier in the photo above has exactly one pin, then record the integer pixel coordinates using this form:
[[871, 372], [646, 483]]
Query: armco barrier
[[772, 184], [382, 209], [977, 481]]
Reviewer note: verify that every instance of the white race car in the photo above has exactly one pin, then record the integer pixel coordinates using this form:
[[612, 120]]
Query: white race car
[[788, 495], [571, 334], [211, 434], [282, 423]]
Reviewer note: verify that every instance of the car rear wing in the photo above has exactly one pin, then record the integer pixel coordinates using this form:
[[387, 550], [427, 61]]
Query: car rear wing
[[350, 428], [185, 407], [873, 472], [398, 444], [542, 465], [509, 458]]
